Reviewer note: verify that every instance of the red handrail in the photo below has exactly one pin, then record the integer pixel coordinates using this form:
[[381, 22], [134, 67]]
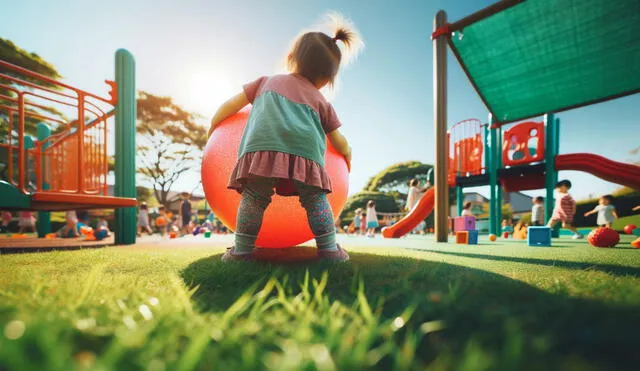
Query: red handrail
[[71, 161]]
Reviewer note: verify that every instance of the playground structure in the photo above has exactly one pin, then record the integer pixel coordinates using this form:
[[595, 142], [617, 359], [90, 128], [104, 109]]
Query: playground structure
[[67, 169], [523, 68], [533, 69]]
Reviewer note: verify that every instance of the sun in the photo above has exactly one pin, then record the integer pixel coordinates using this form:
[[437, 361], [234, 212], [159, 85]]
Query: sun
[[207, 89]]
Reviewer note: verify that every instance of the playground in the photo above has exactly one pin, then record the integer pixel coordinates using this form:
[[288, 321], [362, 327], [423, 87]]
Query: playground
[[100, 271]]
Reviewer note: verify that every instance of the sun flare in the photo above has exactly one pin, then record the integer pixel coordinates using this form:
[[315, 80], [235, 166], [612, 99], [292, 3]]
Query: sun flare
[[206, 90]]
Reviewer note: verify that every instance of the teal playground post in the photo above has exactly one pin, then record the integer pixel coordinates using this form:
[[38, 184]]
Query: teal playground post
[[460, 198], [125, 158], [499, 164], [492, 168], [552, 146], [44, 217]]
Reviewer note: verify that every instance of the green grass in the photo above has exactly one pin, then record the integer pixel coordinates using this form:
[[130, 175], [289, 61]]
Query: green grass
[[503, 306]]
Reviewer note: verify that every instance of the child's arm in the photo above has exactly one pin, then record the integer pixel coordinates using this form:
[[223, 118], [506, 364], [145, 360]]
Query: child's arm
[[615, 214], [590, 212], [228, 108], [636, 208], [339, 142]]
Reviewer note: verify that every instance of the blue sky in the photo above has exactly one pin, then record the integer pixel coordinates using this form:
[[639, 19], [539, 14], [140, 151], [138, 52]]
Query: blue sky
[[200, 52]]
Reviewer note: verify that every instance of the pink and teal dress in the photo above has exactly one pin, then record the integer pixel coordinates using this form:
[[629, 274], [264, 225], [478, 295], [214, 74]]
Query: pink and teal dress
[[285, 136]]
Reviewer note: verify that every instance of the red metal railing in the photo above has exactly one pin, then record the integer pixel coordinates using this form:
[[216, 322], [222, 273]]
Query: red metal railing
[[466, 149], [75, 159]]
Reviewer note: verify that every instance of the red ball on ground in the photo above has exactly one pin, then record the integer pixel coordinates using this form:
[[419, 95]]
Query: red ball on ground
[[603, 237], [628, 229], [285, 221], [505, 235]]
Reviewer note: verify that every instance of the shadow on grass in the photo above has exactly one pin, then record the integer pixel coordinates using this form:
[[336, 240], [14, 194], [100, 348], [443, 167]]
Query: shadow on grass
[[607, 268], [480, 309]]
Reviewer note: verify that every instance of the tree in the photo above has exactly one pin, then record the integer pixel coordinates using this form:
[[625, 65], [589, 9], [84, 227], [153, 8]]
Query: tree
[[11, 53], [169, 141], [396, 177]]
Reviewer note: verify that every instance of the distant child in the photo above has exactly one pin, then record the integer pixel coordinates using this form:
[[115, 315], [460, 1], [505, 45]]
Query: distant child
[[284, 142], [507, 227], [185, 213], [102, 224], [466, 210], [70, 229], [143, 219], [415, 193], [6, 220], [372, 218], [26, 220], [162, 220], [363, 224], [565, 209], [606, 211], [537, 212], [357, 220]]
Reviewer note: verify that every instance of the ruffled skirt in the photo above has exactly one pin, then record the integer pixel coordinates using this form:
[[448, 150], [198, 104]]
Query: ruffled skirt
[[284, 167]]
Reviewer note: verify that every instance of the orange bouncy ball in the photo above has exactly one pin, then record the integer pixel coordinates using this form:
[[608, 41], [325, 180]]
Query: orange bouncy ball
[[492, 237], [285, 221]]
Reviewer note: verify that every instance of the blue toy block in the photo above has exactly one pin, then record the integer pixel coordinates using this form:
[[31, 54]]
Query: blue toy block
[[473, 237], [539, 236]]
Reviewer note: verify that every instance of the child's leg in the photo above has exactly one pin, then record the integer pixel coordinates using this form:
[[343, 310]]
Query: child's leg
[[256, 196], [319, 215]]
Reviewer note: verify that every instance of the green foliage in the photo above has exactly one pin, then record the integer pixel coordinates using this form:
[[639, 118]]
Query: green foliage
[[385, 202], [170, 141], [397, 177], [13, 54]]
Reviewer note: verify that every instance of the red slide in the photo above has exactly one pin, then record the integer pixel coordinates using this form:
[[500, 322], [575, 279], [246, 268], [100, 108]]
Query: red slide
[[611, 171], [415, 216]]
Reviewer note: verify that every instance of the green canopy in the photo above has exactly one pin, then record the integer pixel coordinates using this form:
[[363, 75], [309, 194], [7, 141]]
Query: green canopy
[[537, 56]]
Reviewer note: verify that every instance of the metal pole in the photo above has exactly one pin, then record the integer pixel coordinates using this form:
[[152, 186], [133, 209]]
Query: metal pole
[[440, 126], [460, 197], [125, 142], [44, 217], [493, 179], [550, 170], [499, 165]]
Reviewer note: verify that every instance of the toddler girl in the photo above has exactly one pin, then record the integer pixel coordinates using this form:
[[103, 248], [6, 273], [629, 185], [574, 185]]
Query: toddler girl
[[284, 142], [606, 211], [565, 209], [372, 218]]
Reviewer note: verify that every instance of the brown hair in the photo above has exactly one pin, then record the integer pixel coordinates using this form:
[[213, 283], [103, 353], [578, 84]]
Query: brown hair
[[371, 203], [467, 206], [414, 182], [316, 56]]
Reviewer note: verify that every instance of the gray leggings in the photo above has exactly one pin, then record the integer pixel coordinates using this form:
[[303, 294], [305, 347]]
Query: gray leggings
[[256, 196]]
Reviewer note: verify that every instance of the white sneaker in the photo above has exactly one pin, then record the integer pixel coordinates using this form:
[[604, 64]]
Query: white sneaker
[[577, 236]]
